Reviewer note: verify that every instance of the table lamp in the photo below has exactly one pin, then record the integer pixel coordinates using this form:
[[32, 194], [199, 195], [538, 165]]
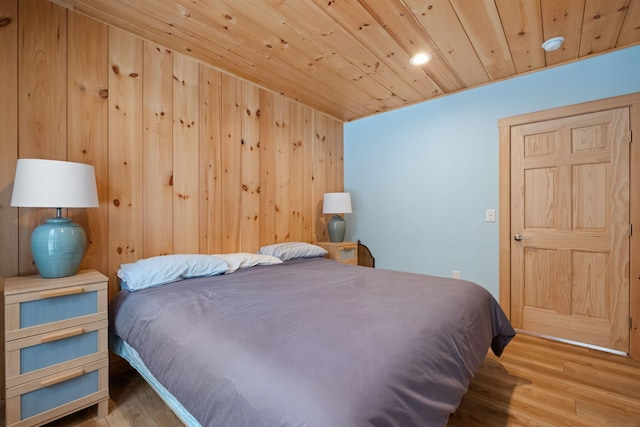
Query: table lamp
[[58, 245], [336, 203]]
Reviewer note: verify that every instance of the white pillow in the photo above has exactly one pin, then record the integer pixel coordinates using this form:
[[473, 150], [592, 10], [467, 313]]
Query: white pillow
[[244, 259], [163, 269], [290, 250]]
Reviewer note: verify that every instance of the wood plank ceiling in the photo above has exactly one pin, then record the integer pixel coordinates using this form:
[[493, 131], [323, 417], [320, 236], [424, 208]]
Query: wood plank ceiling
[[350, 58]]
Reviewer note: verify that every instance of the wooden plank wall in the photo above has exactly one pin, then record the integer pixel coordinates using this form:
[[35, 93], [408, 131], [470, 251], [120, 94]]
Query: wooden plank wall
[[8, 153], [188, 159]]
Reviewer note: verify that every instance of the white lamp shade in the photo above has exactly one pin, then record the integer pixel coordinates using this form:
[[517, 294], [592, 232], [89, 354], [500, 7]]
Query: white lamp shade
[[41, 183], [335, 203]]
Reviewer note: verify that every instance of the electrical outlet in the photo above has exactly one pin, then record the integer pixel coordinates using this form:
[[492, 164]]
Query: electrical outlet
[[455, 274], [490, 215]]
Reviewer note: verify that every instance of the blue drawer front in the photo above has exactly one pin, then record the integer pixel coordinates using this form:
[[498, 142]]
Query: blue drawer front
[[50, 353], [39, 312], [43, 399]]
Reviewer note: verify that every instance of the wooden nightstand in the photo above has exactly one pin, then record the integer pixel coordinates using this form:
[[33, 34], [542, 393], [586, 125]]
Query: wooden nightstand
[[344, 252], [56, 360]]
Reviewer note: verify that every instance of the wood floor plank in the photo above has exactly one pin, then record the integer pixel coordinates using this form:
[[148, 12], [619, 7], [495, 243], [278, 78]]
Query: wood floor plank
[[606, 415], [618, 382]]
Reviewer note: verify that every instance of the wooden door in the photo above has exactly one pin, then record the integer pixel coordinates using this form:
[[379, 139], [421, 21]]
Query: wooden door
[[570, 228]]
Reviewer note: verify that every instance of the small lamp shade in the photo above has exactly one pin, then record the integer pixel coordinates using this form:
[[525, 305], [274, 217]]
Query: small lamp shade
[[336, 203], [58, 245]]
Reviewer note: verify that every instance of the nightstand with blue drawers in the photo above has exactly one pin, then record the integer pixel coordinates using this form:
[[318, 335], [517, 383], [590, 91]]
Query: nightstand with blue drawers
[[56, 359]]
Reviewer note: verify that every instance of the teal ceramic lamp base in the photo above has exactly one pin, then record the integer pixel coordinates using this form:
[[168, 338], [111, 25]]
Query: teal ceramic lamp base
[[58, 247], [336, 227]]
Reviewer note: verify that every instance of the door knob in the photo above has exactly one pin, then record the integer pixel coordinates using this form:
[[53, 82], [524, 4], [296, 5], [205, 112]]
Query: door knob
[[517, 237]]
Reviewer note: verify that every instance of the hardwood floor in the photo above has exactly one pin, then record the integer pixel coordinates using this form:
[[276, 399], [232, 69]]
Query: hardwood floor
[[539, 382], [536, 382]]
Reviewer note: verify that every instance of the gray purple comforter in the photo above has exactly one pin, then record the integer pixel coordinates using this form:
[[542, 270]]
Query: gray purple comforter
[[313, 342]]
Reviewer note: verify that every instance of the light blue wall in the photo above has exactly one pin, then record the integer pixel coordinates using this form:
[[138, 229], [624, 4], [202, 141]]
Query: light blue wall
[[422, 177]]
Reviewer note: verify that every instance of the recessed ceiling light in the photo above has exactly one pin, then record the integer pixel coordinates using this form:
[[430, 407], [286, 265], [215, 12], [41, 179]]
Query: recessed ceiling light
[[553, 44], [420, 58]]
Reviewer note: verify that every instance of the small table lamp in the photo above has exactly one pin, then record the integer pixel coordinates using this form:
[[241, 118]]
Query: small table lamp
[[58, 245], [336, 203]]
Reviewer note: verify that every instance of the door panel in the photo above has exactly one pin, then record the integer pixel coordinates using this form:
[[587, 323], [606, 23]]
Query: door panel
[[570, 204]]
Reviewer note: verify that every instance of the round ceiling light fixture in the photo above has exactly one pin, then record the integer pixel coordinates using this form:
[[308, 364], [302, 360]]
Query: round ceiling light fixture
[[552, 44], [420, 58]]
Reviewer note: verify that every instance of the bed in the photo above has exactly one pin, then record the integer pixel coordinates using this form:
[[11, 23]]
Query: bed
[[308, 342]]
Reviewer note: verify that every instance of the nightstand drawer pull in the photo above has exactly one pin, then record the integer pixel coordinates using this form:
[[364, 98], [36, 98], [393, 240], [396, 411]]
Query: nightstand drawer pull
[[61, 292], [62, 334], [62, 377]]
